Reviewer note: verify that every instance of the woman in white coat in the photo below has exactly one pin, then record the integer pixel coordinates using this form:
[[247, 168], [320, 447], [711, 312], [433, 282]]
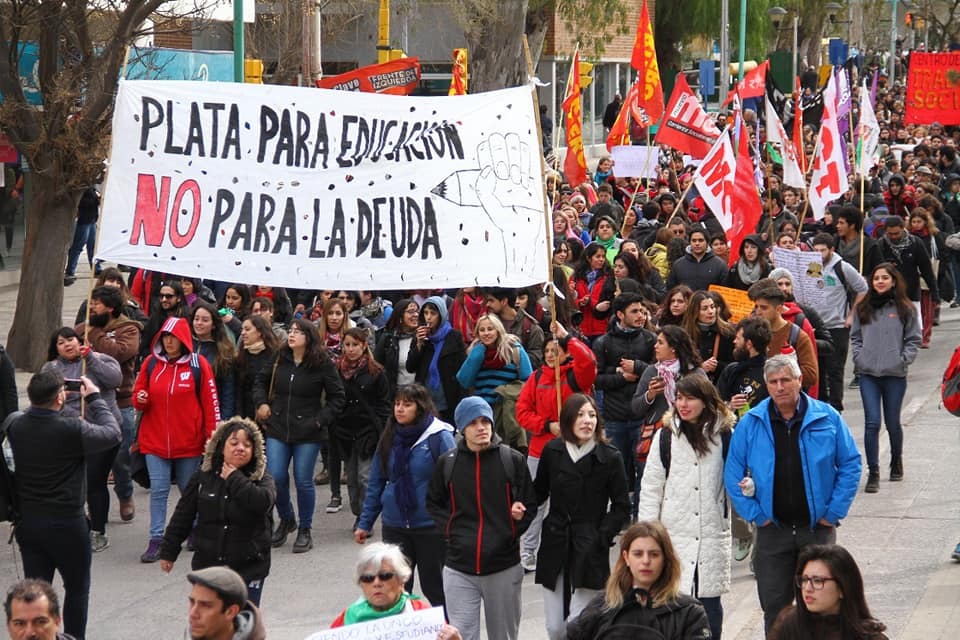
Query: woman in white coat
[[682, 487]]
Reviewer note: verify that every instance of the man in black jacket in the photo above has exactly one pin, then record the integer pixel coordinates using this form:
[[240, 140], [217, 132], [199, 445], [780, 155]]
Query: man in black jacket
[[698, 268], [466, 499], [913, 261], [48, 464], [623, 352]]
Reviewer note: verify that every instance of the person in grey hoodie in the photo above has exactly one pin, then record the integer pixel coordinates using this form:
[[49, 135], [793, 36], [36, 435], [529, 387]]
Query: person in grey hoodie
[[885, 336]]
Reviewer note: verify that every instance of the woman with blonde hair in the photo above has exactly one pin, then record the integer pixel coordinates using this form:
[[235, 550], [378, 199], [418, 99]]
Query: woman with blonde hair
[[494, 358], [642, 594]]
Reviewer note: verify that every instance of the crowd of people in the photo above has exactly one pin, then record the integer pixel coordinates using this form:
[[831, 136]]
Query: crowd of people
[[496, 431]]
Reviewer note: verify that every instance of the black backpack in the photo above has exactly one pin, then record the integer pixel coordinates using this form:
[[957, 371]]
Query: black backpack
[[448, 459], [9, 511], [666, 440]]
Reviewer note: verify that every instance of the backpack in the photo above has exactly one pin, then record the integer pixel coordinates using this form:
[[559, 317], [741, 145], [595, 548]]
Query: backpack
[[194, 370], [448, 459], [851, 296], [8, 495], [950, 387], [571, 379]]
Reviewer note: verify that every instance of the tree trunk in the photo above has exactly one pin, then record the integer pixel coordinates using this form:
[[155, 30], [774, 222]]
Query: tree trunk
[[496, 45], [40, 295]]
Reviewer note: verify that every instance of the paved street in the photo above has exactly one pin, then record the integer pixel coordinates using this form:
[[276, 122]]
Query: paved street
[[902, 538]]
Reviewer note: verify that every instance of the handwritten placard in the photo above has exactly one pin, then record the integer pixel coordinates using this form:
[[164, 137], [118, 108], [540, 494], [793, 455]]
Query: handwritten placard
[[635, 161], [416, 625], [807, 270], [740, 305]]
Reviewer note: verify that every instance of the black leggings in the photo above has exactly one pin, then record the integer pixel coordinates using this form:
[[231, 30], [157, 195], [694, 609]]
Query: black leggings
[[98, 496]]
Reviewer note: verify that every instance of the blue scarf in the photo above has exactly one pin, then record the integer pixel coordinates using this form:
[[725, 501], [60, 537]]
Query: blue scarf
[[436, 339], [400, 450]]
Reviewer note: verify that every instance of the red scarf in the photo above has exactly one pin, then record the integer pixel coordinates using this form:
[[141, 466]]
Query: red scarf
[[492, 359], [349, 368]]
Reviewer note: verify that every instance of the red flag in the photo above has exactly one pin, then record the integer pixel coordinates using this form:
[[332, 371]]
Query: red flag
[[458, 79], [687, 127], [644, 60], [574, 165], [397, 77], [753, 85], [620, 131], [745, 200], [798, 130]]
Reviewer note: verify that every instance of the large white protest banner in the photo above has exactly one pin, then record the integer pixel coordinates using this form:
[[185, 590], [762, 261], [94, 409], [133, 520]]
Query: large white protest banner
[[417, 625], [317, 189]]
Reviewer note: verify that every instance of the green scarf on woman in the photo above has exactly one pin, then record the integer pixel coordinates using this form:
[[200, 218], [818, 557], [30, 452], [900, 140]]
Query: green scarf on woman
[[361, 611]]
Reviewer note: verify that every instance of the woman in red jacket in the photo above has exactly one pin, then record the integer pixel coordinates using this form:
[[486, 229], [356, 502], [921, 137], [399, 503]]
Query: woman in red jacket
[[592, 271], [179, 413], [537, 411]]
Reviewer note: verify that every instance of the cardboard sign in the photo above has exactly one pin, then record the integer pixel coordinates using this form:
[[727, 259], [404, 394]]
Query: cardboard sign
[[806, 267], [933, 88], [317, 189], [740, 305], [416, 625], [635, 161]]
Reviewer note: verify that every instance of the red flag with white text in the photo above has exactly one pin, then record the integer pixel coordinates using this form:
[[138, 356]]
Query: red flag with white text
[[574, 165], [753, 85], [744, 200], [686, 126]]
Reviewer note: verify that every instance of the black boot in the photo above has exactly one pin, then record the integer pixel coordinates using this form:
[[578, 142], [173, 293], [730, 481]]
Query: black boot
[[873, 480], [304, 542], [896, 468], [284, 528]]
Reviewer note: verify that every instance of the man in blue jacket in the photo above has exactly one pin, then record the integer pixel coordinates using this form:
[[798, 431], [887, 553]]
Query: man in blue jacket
[[792, 470]]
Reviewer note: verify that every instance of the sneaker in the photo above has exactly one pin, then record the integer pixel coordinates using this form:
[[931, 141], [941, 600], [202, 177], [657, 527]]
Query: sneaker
[[322, 478], [955, 304], [956, 553], [69, 280], [743, 548], [304, 542], [335, 504], [98, 541], [127, 509], [855, 383], [152, 554], [284, 528]]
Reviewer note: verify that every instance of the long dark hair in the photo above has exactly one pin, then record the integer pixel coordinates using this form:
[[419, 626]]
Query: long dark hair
[[359, 334], [244, 293], [855, 615], [420, 396], [568, 417], [583, 264], [315, 354], [866, 309], [226, 355], [395, 323], [700, 435], [691, 317], [680, 342], [665, 317], [270, 340]]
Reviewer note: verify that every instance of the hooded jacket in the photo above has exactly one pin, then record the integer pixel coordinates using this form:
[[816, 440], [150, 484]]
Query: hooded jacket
[[175, 423], [472, 511], [537, 403], [697, 274], [248, 625], [452, 354], [618, 343], [233, 515], [828, 456], [380, 499], [733, 279]]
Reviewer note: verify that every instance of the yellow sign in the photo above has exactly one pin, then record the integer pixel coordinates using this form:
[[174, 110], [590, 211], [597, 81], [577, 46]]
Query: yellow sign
[[737, 301]]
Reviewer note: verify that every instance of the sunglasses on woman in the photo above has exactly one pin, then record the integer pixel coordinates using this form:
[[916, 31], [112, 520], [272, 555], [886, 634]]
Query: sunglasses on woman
[[385, 576]]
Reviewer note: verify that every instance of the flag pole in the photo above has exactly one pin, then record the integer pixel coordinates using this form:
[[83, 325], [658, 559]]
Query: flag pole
[[547, 227], [863, 220]]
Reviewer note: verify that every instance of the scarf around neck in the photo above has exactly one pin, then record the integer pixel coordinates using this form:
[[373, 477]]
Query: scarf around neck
[[361, 611], [404, 437], [349, 368], [436, 339], [578, 451], [256, 347], [749, 273], [669, 370], [492, 359]]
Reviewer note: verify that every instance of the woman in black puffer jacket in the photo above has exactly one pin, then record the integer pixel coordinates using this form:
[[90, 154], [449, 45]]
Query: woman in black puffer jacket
[[231, 499]]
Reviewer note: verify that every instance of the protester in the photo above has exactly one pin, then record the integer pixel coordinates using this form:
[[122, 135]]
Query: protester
[[642, 594], [580, 474], [830, 601], [48, 452], [437, 356], [586, 286], [393, 345], [382, 571], [220, 608], [212, 342], [516, 321], [258, 349], [885, 336], [698, 268], [710, 334], [769, 304], [494, 359], [674, 305], [226, 507], [792, 505], [33, 611]]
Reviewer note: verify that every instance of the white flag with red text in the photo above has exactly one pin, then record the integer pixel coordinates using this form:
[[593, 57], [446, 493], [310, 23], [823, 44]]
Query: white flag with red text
[[714, 179], [829, 179]]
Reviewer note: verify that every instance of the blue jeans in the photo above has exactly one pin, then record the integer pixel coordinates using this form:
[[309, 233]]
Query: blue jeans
[[159, 471], [304, 457], [888, 390], [623, 436], [122, 483], [84, 235]]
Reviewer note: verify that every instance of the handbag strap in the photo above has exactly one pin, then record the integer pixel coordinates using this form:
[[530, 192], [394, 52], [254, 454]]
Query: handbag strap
[[273, 379]]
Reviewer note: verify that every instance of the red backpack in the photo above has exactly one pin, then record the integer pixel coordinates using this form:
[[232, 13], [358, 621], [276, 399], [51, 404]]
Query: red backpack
[[950, 387]]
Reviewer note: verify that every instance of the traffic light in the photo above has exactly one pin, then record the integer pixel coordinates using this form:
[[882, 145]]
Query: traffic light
[[253, 71], [586, 74], [908, 20]]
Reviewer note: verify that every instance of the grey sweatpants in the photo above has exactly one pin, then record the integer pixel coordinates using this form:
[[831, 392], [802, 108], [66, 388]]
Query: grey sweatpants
[[500, 594]]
